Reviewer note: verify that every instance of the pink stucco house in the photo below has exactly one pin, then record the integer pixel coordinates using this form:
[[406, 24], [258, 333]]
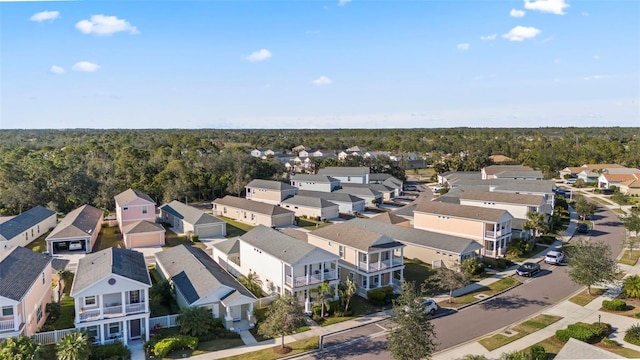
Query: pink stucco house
[[132, 206]]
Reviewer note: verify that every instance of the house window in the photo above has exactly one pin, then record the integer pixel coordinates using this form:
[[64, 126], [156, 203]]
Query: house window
[[376, 280], [38, 229], [114, 328], [341, 251], [125, 208], [352, 275], [134, 297], [253, 216], [89, 300], [32, 232], [224, 210], [7, 311], [144, 209], [42, 278], [364, 281], [92, 331], [39, 313], [245, 214]]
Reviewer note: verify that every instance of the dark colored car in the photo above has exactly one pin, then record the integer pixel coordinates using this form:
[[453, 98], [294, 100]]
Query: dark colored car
[[410, 188], [583, 228], [528, 269]]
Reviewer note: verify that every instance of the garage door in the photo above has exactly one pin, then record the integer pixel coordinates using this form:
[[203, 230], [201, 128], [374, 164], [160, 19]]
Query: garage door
[[209, 231], [283, 220]]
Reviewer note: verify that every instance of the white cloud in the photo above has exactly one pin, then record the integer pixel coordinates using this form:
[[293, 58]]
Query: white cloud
[[57, 70], [549, 6], [85, 66], [322, 80], [520, 33], [105, 25], [260, 55], [517, 13], [45, 15], [343, 2], [488, 37], [463, 46]]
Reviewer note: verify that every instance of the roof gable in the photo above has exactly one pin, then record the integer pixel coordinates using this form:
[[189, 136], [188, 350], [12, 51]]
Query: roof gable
[[269, 185], [142, 227], [189, 214], [461, 211], [502, 197], [255, 206], [355, 237], [127, 263], [130, 195], [79, 222]]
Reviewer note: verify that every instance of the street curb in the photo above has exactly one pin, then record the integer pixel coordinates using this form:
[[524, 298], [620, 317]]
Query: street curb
[[487, 298]]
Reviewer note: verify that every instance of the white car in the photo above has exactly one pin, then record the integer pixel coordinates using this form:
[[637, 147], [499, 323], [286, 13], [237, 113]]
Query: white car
[[554, 257], [75, 245], [429, 305]]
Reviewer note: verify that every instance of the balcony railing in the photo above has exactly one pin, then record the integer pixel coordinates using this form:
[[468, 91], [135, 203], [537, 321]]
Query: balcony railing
[[383, 265], [135, 308], [7, 325], [111, 311], [310, 279]]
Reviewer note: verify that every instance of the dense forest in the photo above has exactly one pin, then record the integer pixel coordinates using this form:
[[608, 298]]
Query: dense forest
[[63, 169]]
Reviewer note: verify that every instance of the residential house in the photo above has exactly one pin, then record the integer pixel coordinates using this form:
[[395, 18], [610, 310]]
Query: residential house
[[22, 229], [631, 186], [25, 290], [315, 182], [436, 249], [185, 219], [253, 212], [387, 192], [372, 198], [78, 231], [347, 204], [111, 296], [592, 175], [370, 259], [133, 205], [311, 207], [199, 281], [387, 180], [269, 191], [326, 154], [573, 171], [143, 233], [284, 264], [263, 153], [299, 148], [513, 172], [376, 154], [491, 228], [575, 349], [451, 178], [356, 175], [627, 183], [391, 218]]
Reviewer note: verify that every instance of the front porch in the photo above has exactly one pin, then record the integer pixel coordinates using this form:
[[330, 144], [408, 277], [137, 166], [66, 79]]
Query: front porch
[[109, 331]]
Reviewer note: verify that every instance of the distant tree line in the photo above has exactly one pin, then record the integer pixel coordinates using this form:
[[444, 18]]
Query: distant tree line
[[63, 169]]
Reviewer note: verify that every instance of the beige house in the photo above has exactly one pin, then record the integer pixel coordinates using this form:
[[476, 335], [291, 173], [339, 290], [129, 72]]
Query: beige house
[[573, 171], [22, 229], [491, 228], [25, 290], [312, 207], [269, 191], [370, 259], [512, 172], [253, 212], [518, 205], [143, 233], [76, 232]]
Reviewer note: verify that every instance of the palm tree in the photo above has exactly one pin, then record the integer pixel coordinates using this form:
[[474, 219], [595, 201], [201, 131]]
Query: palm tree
[[324, 296], [631, 286], [66, 277], [73, 346], [252, 282], [19, 348], [196, 321], [346, 291]]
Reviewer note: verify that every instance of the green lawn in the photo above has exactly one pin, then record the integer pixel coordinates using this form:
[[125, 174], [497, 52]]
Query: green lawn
[[39, 244], [217, 344], [235, 228], [630, 258], [601, 201], [157, 308], [584, 298], [297, 347], [109, 237], [67, 315], [488, 290], [172, 239], [528, 327], [311, 224], [416, 271]]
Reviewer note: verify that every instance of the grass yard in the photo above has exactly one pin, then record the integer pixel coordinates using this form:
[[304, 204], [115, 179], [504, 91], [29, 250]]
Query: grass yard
[[601, 201], [536, 249], [630, 258], [67, 315], [633, 307], [416, 271], [109, 237], [217, 344], [551, 345], [297, 347], [491, 289], [39, 244], [311, 224], [172, 239], [584, 298], [157, 308], [528, 327], [235, 228]]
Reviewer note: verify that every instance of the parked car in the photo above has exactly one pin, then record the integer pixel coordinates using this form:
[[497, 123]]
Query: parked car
[[429, 305], [75, 245], [583, 228], [410, 188], [528, 269], [570, 181], [554, 257]]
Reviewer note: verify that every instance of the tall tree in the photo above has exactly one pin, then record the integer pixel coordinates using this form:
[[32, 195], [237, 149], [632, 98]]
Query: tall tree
[[414, 336], [452, 279], [19, 348], [537, 222], [631, 286], [324, 296], [585, 208], [346, 290], [590, 263], [73, 346], [252, 282], [632, 222], [284, 316]]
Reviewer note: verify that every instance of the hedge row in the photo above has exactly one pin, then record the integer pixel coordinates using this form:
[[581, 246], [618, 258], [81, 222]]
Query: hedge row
[[614, 305], [166, 345], [584, 332]]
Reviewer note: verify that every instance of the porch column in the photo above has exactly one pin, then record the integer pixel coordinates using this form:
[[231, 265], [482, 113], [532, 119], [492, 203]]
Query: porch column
[[367, 265], [379, 261], [146, 328], [101, 333], [228, 318], [293, 280], [250, 313], [125, 332], [77, 306], [16, 318], [124, 301], [101, 305], [146, 300]]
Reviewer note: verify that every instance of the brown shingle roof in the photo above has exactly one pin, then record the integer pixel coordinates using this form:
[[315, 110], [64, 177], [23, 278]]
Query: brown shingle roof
[[460, 211], [502, 197], [259, 207], [355, 237]]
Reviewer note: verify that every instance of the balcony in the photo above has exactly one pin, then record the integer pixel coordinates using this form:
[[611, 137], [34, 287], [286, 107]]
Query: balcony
[[310, 279], [111, 312], [380, 266], [7, 325]]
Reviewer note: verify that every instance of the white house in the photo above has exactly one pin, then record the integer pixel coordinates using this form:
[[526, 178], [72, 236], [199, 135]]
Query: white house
[[184, 219], [347, 204], [315, 182], [24, 228], [252, 212], [518, 205], [199, 281], [312, 207], [356, 175], [111, 294], [283, 263], [269, 191]]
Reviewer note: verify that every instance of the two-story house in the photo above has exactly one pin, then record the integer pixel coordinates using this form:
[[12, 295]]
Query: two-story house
[[356, 175], [284, 264], [25, 290], [133, 205], [269, 191], [111, 294], [253, 212], [77, 231], [491, 228], [370, 259], [315, 182], [24, 228]]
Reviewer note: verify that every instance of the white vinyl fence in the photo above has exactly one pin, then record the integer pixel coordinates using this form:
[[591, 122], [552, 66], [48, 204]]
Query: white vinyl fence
[[166, 321]]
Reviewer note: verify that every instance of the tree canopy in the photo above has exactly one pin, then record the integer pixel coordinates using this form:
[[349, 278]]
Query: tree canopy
[[590, 263]]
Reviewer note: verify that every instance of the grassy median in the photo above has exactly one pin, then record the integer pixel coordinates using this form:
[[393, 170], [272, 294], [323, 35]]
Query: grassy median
[[523, 329]]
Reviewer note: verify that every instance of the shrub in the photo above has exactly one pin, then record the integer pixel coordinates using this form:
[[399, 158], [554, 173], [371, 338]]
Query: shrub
[[38, 248], [518, 247], [195, 238], [637, 314], [610, 342], [537, 352], [111, 351], [614, 305], [584, 332], [633, 334], [472, 267], [166, 345], [53, 309], [380, 296]]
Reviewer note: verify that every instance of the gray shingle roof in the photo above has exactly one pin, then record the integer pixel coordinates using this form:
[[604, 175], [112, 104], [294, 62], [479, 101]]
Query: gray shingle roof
[[196, 274], [406, 210], [355, 237], [309, 201], [537, 174], [495, 169], [78, 223], [23, 222], [269, 184], [502, 197], [316, 178], [259, 207], [19, 270], [228, 246], [379, 177], [96, 266], [141, 227], [359, 190], [331, 196], [389, 218], [189, 214], [461, 211], [448, 243], [282, 246], [535, 186], [344, 170], [129, 195]]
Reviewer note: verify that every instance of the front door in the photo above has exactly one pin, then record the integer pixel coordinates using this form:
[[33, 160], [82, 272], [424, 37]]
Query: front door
[[134, 325], [236, 313]]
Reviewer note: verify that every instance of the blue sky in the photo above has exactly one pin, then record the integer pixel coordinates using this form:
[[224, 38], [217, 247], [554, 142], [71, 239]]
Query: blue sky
[[319, 64]]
